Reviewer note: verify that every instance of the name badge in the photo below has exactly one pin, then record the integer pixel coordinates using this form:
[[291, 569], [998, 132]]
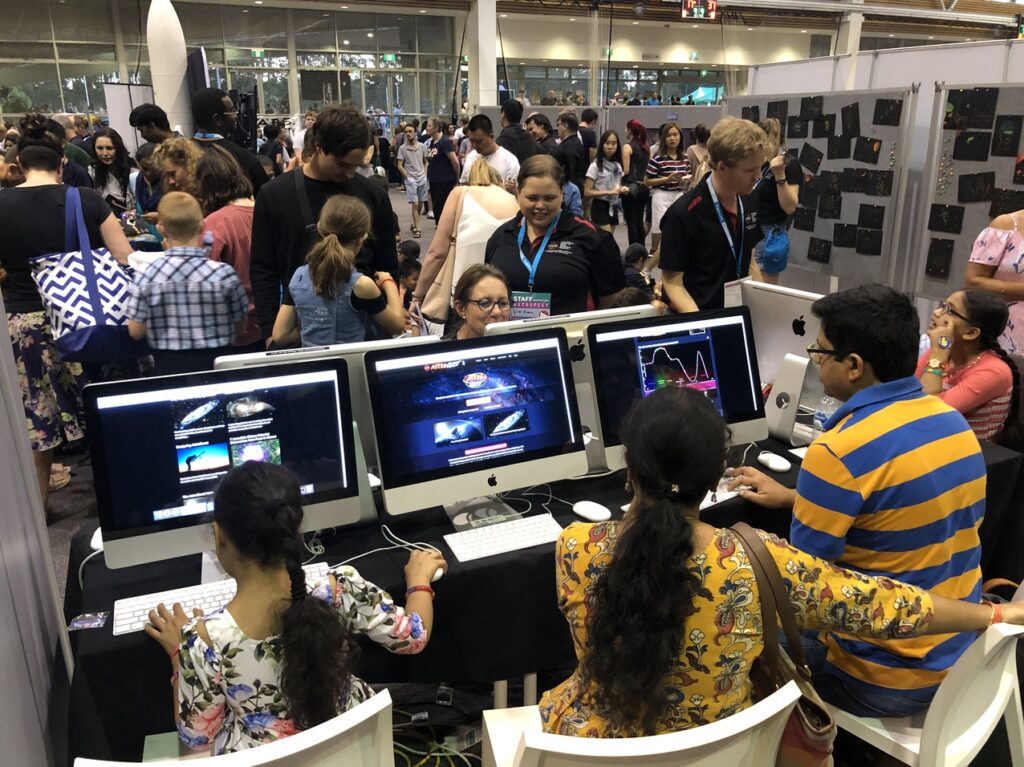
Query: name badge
[[530, 306], [733, 296]]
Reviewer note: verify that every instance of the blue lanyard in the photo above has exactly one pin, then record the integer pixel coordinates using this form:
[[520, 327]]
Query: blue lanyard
[[201, 134], [736, 248], [531, 266]]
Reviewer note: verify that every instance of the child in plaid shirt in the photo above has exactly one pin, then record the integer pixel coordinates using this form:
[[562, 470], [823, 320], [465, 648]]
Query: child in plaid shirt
[[189, 307]]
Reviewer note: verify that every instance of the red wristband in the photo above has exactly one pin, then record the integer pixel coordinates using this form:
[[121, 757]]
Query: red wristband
[[997, 613], [414, 589]]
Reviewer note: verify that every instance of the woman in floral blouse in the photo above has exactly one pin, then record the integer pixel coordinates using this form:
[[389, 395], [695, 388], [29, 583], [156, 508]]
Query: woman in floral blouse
[[663, 609], [276, 659]]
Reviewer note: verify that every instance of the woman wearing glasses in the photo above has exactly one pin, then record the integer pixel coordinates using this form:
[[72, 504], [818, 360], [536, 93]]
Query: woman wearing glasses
[[480, 298], [561, 261], [966, 367]]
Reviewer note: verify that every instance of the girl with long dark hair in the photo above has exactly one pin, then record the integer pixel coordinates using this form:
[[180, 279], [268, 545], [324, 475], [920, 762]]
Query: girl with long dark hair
[[111, 173], [968, 369], [278, 659], [604, 182], [635, 155], [668, 175], [664, 609]]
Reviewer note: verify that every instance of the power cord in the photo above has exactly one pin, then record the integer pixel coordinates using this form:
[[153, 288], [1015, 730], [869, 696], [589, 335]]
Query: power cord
[[397, 543], [81, 567]]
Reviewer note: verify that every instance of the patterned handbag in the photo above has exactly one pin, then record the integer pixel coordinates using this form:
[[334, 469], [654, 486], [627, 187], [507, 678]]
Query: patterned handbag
[[809, 733], [85, 292]]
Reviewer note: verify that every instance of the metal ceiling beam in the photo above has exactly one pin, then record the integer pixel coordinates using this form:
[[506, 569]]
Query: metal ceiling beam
[[907, 12]]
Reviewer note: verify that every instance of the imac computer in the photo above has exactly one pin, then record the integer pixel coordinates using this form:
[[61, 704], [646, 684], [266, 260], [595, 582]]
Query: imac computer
[[712, 352], [575, 326], [782, 321], [353, 356], [463, 420], [161, 445]]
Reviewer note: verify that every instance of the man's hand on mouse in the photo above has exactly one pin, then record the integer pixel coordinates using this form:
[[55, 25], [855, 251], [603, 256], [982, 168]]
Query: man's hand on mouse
[[756, 486]]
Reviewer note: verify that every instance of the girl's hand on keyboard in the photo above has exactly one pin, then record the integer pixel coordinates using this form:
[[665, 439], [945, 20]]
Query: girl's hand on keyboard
[[165, 625]]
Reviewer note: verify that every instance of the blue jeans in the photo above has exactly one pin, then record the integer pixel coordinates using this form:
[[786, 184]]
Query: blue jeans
[[859, 701]]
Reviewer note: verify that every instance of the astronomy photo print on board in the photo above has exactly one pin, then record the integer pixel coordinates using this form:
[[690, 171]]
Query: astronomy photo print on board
[[823, 127], [869, 242], [796, 128], [879, 183], [1006, 136], [840, 147], [752, 113], [844, 235], [819, 251], [851, 119], [811, 107], [888, 112], [1005, 201], [831, 181], [779, 110], [976, 187], [803, 219], [811, 158], [830, 206], [940, 257], [946, 218], [855, 180], [972, 146], [871, 216], [810, 190], [867, 150], [970, 108]]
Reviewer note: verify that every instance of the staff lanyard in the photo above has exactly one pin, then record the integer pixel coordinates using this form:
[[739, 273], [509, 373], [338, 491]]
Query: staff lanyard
[[736, 248], [531, 266], [204, 135]]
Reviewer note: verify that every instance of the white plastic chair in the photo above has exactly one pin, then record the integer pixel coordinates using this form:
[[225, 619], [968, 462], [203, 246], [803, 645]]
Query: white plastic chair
[[361, 737], [980, 689], [513, 738]]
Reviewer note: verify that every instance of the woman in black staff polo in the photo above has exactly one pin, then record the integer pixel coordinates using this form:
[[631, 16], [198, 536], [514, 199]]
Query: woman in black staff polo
[[553, 259], [708, 233]]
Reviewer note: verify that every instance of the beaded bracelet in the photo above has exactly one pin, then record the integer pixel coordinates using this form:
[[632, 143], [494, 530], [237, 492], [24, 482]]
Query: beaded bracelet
[[414, 589]]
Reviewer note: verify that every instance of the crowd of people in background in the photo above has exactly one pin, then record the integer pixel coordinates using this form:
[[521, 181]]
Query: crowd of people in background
[[297, 243]]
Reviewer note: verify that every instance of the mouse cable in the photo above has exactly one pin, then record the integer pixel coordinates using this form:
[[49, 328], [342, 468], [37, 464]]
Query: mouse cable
[[390, 537]]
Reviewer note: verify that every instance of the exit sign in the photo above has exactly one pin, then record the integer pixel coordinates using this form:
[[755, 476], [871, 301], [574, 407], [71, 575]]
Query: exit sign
[[258, 53], [388, 57]]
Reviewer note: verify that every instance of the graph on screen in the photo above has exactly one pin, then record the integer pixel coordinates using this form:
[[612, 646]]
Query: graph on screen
[[681, 364]]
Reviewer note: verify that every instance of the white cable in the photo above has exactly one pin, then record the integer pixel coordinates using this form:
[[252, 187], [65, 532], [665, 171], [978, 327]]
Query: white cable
[[390, 537], [81, 567], [364, 554]]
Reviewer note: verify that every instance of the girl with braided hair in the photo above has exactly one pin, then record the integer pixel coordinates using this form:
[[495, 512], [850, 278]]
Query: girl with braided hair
[[278, 658], [664, 609], [966, 367]]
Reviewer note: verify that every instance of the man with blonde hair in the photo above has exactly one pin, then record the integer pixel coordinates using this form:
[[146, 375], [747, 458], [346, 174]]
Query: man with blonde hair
[[189, 307], [708, 234]]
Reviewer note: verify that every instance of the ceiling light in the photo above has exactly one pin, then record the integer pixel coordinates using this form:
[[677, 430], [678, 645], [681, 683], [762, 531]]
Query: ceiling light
[[892, 35], [695, 25], [931, 37], [344, 42], [522, 63], [369, 34], [635, 23], [258, 2], [327, 14], [245, 10], [545, 61], [422, 11], [967, 39], [572, 18], [504, 15], [750, 29]]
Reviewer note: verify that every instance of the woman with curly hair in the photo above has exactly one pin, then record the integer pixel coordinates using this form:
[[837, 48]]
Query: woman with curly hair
[[177, 158], [664, 609], [111, 173], [278, 658]]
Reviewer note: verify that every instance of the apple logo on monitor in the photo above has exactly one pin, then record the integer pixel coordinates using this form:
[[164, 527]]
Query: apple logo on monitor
[[492, 481], [799, 326], [577, 352]]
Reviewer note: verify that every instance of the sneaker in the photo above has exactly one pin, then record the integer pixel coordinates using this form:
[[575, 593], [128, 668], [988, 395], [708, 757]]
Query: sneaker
[[430, 215]]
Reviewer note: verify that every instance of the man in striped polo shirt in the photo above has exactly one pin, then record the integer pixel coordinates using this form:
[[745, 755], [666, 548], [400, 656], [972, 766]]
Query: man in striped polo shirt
[[894, 487]]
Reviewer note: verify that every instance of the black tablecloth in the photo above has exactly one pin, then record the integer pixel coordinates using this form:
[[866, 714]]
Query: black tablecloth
[[495, 618]]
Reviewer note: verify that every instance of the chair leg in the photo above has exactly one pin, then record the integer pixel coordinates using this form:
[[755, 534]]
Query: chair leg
[[1013, 714], [501, 695], [530, 690]]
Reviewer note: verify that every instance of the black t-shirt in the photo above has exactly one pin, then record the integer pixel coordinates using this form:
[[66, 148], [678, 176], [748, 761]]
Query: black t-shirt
[[575, 156], [275, 152], [77, 176], [32, 222], [280, 241], [439, 167], [250, 162], [589, 139], [766, 195], [580, 260], [693, 242]]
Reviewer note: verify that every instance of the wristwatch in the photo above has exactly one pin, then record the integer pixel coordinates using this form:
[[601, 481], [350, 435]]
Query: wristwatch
[[945, 342], [935, 367]]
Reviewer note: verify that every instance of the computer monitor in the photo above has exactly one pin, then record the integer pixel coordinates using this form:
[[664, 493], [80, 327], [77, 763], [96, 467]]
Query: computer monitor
[[161, 445], [465, 419], [353, 356], [575, 326], [782, 321], [712, 352]]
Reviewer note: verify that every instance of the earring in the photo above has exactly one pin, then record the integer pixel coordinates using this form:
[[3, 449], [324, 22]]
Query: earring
[[629, 487]]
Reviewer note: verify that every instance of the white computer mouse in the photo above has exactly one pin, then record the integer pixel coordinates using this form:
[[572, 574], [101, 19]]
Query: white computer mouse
[[591, 511], [774, 462], [438, 573]]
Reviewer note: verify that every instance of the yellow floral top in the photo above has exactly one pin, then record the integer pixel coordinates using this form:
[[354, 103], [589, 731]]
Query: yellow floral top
[[723, 633]]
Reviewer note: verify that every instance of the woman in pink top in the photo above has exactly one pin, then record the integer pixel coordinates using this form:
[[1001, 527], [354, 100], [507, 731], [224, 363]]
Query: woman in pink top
[[997, 266], [225, 194], [968, 370]]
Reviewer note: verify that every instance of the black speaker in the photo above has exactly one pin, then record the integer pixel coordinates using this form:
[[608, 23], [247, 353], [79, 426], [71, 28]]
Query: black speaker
[[247, 105]]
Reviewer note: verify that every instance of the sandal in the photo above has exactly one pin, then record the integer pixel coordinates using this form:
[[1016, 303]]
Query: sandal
[[59, 480], [416, 233]]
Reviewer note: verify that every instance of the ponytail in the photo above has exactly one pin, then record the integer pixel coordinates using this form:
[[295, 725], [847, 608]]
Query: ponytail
[[259, 508], [675, 452], [1012, 434], [330, 263]]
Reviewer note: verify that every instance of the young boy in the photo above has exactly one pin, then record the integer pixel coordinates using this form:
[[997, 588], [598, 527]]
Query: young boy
[[634, 257], [408, 276], [412, 164], [189, 307]]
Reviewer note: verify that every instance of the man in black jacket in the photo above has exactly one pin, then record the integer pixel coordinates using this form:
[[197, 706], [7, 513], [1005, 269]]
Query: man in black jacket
[[571, 146], [540, 128], [513, 137], [282, 234], [215, 117]]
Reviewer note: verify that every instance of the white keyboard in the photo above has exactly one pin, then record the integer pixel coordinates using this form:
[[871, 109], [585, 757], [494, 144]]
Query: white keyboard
[[132, 614], [503, 537]]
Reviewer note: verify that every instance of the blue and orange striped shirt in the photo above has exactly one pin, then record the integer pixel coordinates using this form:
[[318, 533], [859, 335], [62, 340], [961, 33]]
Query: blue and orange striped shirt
[[895, 487]]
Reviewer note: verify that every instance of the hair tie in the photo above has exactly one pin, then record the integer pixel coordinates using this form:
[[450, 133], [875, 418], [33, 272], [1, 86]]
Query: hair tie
[[670, 492]]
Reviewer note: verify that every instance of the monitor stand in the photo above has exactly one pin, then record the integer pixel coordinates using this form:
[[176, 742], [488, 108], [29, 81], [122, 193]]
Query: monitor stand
[[597, 465], [212, 571], [477, 512], [784, 401]]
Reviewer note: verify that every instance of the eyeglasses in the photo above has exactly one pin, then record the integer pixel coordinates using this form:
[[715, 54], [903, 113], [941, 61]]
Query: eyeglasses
[[486, 304], [946, 308], [816, 353]]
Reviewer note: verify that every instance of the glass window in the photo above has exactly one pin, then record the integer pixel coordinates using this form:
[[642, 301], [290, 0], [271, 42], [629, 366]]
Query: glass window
[[200, 23], [85, 93], [357, 31], [314, 30], [395, 61], [403, 92], [317, 87], [436, 34], [396, 33], [258, 27], [257, 57], [23, 21], [84, 52], [441, 63], [357, 60], [436, 94], [309, 59], [21, 51], [275, 92], [375, 87], [30, 86], [79, 20]]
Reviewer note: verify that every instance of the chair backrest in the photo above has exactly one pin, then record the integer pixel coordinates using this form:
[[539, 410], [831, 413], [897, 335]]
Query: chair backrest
[[972, 698], [740, 740], [361, 737]]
